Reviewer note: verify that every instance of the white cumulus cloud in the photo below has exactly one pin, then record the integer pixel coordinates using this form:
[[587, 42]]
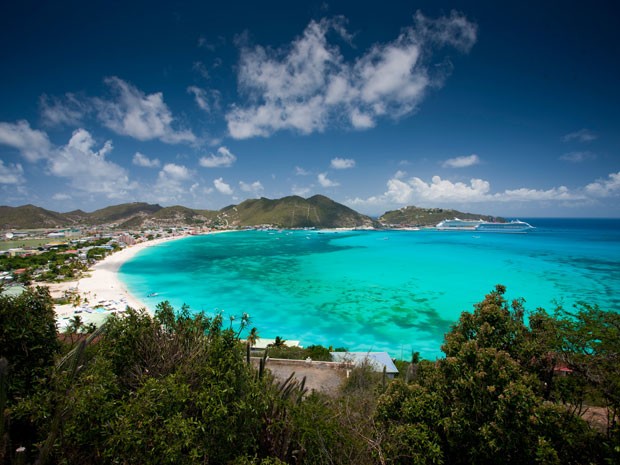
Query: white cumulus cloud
[[301, 191], [207, 100], [443, 190], [325, 181], [135, 114], [139, 159], [525, 194], [67, 111], [174, 182], [342, 163], [605, 187], [299, 171], [361, 120], [439, 192], [87, 168], [400, 174], [61, 196], [32, 144], [308, 84], [201, 98], [174, 171], [399, 191], [222, 187], [223, 159], [462, 162], [255, 188], [11, 173]]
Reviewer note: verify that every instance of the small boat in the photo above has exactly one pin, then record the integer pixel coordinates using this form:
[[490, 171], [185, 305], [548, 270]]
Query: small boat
[[153, 294]]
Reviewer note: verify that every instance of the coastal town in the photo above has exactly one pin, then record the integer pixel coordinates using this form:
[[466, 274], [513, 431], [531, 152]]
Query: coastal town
[[78, 266]]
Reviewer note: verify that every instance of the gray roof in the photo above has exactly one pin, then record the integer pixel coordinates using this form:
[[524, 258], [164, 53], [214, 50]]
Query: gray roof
[[12, 291], [377, 360]]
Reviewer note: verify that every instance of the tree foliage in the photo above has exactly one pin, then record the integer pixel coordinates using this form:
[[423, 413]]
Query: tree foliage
[[27, 339]]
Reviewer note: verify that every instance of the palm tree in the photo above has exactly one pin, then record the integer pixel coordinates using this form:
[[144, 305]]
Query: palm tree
[[279, 342], [75, 324], [253, 337]]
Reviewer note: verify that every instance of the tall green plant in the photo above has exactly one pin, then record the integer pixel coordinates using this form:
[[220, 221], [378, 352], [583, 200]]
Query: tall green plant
[[28, 339]]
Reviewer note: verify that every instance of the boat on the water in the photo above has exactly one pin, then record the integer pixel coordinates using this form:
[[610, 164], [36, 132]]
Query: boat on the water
[[456, 224], [512, 226]]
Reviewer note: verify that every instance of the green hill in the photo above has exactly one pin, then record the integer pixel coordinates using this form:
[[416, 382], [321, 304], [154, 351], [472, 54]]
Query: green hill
[[293, 212], [31, 217], [183, 215], [123, 212], [416, 216], [77, 216]]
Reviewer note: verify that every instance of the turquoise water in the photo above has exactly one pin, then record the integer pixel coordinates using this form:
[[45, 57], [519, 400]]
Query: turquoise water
[[378, 290]]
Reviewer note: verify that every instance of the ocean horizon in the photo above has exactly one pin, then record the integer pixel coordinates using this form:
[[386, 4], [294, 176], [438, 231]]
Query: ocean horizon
[[379, 290]]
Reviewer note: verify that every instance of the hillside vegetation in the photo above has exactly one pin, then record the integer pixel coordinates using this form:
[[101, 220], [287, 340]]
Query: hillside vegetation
[[127, 215], [30, 216], [416, 216], [295, 212]]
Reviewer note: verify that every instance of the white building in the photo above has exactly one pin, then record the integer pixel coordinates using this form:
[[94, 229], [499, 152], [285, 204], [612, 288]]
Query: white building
[[377, 360]]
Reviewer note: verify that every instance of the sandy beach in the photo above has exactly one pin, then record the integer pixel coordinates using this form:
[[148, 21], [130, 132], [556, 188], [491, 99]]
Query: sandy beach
[[102, 292]]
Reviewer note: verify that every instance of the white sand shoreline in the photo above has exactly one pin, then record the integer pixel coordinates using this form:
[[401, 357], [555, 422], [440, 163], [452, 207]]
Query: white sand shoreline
[[103, 286]]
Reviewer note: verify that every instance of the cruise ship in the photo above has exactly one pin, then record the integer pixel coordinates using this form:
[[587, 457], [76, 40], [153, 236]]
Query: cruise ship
[[514, 226]]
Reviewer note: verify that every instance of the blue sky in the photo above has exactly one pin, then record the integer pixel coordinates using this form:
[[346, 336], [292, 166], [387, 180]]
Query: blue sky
[[506, 108]]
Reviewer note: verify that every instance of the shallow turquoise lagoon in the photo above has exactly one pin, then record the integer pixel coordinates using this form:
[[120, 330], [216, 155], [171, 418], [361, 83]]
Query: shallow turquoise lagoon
[[375, 290]]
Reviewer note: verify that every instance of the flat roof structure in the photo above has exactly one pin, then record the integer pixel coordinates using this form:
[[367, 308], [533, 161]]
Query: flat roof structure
[[378, 360], [263, 342]]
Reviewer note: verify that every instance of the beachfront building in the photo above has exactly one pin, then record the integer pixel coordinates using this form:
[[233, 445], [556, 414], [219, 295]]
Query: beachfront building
[[126, 239]]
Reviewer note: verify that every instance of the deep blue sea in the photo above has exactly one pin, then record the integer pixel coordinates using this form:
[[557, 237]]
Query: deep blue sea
[[398, 291]]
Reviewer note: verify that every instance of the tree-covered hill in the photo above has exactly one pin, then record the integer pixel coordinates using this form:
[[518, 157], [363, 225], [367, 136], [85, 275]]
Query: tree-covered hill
[[123, 212], [31, 216], [417, 216], [295, 212]]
